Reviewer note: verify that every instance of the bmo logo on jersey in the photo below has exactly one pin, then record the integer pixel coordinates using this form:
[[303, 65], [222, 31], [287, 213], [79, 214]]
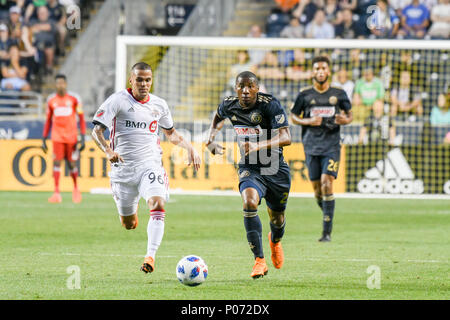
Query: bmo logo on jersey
[[324, 112], [142, 125]]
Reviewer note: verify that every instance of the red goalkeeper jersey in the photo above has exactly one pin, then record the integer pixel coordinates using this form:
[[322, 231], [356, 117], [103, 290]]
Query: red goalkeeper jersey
[[62, 117]]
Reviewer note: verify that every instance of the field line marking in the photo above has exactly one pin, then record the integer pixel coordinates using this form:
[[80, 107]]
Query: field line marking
[[293, 259]]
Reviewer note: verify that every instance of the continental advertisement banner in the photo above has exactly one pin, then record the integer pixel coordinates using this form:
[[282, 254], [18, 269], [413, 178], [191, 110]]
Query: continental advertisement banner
[[25, 167]]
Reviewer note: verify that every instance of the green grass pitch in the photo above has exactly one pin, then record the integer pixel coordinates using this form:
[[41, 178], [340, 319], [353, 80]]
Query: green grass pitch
[[408, 240]]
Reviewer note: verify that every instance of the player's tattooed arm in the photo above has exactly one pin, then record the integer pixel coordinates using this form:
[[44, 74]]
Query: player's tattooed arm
[[97, 135], [216, 126], [282, 139], [343, 118], [177, 139]]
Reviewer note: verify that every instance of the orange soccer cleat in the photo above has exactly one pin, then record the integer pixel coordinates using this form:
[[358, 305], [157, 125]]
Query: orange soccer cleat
[[259, 269], [76, 196], [277, 252], [149, 265], [55, 198]]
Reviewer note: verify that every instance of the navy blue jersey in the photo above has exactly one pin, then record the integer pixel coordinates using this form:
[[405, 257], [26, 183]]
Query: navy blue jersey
[[323, 139], [256, 124]]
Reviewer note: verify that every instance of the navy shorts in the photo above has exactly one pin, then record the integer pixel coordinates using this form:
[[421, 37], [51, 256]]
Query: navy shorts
[[323, 164], [274, 188]]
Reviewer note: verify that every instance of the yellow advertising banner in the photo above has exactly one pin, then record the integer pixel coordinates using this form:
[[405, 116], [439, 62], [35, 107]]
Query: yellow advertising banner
[[25, 167]]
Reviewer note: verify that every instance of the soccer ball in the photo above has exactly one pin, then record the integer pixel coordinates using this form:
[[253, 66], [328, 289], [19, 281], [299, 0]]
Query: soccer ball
[[192, 270]]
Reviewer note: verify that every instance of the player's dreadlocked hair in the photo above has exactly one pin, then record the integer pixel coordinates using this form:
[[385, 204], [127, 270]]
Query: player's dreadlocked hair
[[141, 66]]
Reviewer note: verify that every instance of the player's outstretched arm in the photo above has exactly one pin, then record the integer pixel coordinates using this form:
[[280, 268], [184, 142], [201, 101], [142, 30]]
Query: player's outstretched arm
[[216, 126], [97, 135], [177, 139]]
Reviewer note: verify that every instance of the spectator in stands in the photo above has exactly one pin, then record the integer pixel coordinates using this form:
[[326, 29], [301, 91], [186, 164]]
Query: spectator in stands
[[31, 10], [15, 22], [270, 67], [14, 74], [368, 94], [414, 21], [5, 44], [278, 19], [298, 68], [347, 29], [440, 113], [319, 28], [342, 81], [21, 35], [286, 5], [405, 98], [44, 33], [398, 5], [440, 17], [256, 55], [377, 126], [242, 64], [306, 9], [332, 12], [58, 16], [293, 30], [5, 5], [383, 23]]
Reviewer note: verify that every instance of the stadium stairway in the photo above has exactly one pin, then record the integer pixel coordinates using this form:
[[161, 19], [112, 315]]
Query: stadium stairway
[[209, 84], [45, 82]]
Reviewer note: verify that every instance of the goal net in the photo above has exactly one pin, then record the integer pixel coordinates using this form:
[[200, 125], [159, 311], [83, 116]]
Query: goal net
[[399, 141]]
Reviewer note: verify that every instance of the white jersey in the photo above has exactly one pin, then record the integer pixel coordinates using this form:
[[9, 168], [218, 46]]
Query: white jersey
[[133, 126]]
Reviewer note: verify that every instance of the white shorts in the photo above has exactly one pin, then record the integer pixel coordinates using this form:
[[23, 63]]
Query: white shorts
[[128, 185]]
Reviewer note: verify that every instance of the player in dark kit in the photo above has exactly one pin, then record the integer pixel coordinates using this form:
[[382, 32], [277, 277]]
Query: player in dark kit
[[321, 110], [261, 126]]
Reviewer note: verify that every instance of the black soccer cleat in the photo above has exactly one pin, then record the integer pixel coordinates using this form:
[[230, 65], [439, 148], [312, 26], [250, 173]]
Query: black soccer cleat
[[326, 237]]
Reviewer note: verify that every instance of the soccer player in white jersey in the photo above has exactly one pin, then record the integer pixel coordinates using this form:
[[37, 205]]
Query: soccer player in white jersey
[[133, 117]]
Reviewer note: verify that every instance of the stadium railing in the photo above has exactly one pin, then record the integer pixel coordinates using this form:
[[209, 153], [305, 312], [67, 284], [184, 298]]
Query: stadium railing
[[21, 103]]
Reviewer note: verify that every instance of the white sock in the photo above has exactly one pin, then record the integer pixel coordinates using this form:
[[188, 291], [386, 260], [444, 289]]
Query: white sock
[[155, 231]]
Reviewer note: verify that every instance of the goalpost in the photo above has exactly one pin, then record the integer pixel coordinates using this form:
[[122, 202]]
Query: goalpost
[[385, 152]]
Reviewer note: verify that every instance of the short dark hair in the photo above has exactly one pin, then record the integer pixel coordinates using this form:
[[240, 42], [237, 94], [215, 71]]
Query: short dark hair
[[247, 75], [321, 58], [60, 76], [141, 66]]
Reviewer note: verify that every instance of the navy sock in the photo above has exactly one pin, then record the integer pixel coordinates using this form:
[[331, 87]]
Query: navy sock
[[328, 213], [253, 226], [277, 232]]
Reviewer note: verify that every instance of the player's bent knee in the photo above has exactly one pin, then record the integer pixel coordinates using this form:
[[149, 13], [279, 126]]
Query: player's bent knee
[[251, 204], [156, 203]]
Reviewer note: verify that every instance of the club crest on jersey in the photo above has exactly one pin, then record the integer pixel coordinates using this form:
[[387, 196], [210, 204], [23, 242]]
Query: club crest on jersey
[[280, 118], [256, 117], [245, 131], [333, 100], [323, 112], [244, 173]]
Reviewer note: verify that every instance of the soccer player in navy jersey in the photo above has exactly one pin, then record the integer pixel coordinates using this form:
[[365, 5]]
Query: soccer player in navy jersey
[[321, 109], [262, 130]]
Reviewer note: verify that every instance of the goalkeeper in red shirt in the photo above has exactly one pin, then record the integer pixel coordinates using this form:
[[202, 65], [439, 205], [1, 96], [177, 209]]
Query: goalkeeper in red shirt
[[62, 110]]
